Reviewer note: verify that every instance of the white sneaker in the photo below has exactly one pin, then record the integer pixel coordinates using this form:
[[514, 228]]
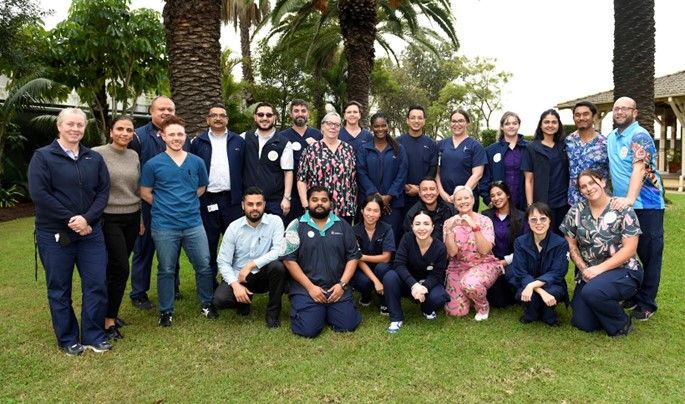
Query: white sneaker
[[394, 326], [481, 316], [431, 316]]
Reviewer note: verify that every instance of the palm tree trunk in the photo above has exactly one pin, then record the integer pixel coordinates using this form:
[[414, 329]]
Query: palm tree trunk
[[246, 53], [318, 100], [634, 47], [358, 27], [193, 29]]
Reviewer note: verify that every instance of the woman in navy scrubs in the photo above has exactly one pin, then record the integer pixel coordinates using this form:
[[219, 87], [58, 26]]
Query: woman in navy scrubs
[[382, 168], [418, 271], [545, 165], [352, 132], [461, 160], [377, 243]]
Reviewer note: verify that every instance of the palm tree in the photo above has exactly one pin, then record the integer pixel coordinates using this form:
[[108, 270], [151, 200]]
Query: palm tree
[[193, 29], [244, 14], [634, 46], [362, 23]]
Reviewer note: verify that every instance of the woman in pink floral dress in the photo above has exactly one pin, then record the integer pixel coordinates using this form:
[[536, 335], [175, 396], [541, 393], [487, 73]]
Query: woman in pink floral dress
[[472, 268]]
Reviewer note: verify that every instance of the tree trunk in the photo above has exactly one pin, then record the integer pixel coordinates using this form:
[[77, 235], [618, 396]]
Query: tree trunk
[[100, 109], [318, 100], [634, 47], [245, 51], [358, 29], [193, 29]]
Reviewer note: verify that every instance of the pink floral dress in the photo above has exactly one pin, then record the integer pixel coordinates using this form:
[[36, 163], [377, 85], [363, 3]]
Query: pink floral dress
[[469, 273]]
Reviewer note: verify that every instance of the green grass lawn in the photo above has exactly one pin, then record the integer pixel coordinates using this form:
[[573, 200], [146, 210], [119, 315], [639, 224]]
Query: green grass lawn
[[239, 359]]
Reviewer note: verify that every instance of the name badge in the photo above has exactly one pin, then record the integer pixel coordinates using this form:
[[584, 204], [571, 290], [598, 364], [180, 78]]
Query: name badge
[[213, 207]]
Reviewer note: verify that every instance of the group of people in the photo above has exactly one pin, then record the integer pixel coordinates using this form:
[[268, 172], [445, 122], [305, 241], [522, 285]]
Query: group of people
[[319, 215]]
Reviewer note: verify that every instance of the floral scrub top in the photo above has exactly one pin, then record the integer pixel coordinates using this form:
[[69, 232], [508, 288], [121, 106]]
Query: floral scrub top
[[582, 156], [601, 238], [335, 171], [468, 256]]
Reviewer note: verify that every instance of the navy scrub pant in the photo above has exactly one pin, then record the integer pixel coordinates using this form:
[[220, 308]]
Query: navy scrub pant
[[308, 318], [536, 309], [90, 256], [650, 248], [141, 263], [395, 289], [216, 221], [363, 284], [596, 304], [394, 219]]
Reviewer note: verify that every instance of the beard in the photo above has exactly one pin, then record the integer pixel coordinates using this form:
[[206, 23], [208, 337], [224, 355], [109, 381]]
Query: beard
[[319, 214], [300, 121], [253, 219]]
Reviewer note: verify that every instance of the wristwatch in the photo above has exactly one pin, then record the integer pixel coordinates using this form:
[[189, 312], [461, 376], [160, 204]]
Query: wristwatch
[[343, 285], [287, 197]]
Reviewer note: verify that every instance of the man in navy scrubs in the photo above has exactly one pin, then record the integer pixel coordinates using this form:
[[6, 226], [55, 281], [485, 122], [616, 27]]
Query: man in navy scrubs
[[321, 255]]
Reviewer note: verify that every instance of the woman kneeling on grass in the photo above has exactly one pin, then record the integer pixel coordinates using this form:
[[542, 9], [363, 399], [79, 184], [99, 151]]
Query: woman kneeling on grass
[[419, 272], [602, 242], [539, 267]]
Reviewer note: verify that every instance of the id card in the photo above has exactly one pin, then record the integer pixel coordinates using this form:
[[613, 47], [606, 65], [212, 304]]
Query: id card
[[213, 207]]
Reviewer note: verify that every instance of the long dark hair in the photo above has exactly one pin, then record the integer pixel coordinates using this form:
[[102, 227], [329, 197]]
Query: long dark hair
[[559, 135], [514, 222], [391, 140]]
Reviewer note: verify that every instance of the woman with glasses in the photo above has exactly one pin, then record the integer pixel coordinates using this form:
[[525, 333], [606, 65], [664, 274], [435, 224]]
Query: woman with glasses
[[461, 159], [602, 243], [504, 161], [545, 167], [508, 224], [472, 268], [330, 163], [539, 268], [382, 169]]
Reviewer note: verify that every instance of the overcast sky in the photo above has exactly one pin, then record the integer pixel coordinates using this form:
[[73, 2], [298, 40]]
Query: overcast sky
[[556, 50]]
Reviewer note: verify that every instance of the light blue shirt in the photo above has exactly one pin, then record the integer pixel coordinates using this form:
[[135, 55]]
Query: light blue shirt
[[243, 243]]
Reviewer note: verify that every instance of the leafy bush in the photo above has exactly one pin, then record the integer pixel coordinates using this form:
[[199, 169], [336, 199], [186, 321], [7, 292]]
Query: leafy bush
[[488, 137], [8, 196]]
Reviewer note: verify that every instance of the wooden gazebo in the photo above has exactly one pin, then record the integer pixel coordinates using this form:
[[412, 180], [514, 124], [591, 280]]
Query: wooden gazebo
[[669, 109]]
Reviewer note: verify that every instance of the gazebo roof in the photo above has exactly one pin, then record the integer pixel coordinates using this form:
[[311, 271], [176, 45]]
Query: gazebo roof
[[672, 85]]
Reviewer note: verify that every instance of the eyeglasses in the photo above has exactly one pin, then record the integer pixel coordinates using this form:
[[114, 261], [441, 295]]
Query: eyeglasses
[[264, 114], [459, 121], [217, 116], [623, 109], [536, 220], [331, 124]]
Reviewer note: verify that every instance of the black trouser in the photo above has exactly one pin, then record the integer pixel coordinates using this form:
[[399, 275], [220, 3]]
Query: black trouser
[[216, 222], [120, 232], [270, 278]]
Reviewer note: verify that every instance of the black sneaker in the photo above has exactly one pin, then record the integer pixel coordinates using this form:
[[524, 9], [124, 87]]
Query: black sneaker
[[142, 303], [642, 315], [623, 332], [385, 311], [112, 333], [165, 319], [101, 347], [209, 311], [73, 350], [629, 305], [119, 322], [273, 322]]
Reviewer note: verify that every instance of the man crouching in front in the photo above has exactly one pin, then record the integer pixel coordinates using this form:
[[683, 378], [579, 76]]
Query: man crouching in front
[[322, 263]]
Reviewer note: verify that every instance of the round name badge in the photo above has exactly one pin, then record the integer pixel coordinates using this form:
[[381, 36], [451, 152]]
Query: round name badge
[[310, 234], [273, 155], [429, 268], [623, 152], [297, 146], [497, 157], [610, 217]]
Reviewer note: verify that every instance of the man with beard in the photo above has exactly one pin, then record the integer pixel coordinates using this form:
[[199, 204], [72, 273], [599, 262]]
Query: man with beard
[[430, 202], [269, 162], [223, 153], [636, 182], [248, 260], [148, 143], [322, 263], [171, 183], [422, 153], [300, 136], [586, 149]]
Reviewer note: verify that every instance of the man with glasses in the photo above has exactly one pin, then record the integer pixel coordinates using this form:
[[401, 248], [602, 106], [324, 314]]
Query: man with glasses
[[300, 135], [636, 182], [269, 161], [223, 154]]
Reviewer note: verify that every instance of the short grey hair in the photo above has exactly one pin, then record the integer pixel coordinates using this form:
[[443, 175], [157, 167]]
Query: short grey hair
[[462, 188], [330, 114], [68, 111]]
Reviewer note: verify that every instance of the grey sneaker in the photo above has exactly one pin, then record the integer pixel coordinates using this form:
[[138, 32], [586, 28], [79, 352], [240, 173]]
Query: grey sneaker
[[73, 349]]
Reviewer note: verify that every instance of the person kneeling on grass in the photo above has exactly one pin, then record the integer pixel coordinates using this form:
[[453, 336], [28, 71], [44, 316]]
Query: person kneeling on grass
[[419, 272], [248, 260], [321, 254], [539, 267], [172, 182]]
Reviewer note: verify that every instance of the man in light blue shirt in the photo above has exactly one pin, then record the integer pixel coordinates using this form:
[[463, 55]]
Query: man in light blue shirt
[[248, 259]]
